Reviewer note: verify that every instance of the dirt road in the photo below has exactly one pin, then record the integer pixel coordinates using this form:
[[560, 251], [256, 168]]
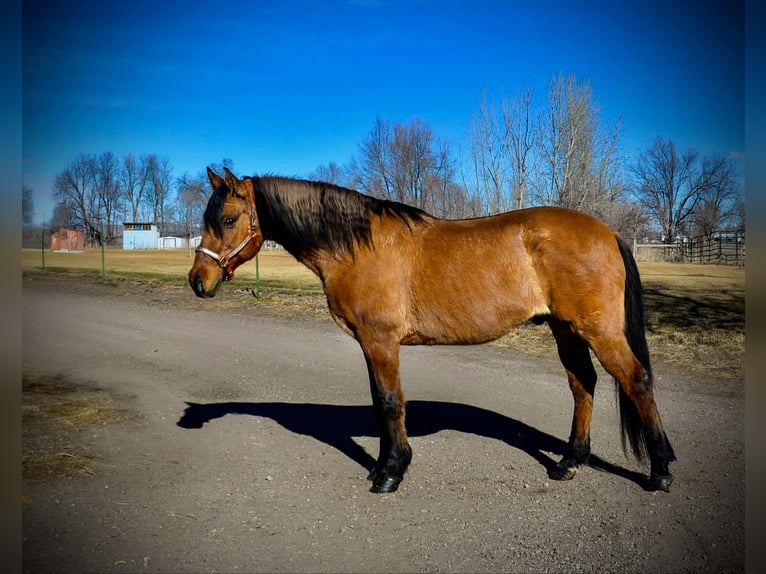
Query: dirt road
[[265, 469]]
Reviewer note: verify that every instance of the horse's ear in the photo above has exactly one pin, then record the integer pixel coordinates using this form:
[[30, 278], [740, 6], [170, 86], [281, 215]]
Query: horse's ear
[[215, 180], [232, 182]]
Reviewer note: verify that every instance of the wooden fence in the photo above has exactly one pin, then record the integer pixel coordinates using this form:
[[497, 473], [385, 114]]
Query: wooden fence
[[722, 248]]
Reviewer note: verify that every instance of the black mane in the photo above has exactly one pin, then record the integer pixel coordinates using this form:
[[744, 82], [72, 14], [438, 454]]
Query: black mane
[[308, 216]]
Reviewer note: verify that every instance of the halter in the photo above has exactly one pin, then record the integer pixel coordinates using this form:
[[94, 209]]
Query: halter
[[224, 261]]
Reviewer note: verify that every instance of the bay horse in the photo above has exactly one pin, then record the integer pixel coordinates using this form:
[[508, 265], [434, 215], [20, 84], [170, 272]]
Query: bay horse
[[394, 275]]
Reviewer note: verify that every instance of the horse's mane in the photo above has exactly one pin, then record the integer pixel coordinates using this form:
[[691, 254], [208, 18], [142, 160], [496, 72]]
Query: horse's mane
[[305, 216]]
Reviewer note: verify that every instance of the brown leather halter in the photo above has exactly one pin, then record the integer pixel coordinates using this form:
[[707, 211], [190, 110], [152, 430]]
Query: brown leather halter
[[253, 234]]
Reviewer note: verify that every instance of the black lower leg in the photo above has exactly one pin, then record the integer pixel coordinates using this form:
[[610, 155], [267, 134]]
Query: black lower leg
[[577, 453], [386, 477], [661, 454], [395, 452], [575, 356]]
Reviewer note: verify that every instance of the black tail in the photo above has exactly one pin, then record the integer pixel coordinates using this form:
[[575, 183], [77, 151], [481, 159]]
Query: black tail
[[632, 428]]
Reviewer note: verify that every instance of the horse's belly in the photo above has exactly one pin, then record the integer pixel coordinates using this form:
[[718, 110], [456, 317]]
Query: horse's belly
[[454, 339], [465, 326]]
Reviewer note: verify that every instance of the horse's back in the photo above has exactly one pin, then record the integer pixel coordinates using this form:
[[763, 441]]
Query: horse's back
[[546, 241]]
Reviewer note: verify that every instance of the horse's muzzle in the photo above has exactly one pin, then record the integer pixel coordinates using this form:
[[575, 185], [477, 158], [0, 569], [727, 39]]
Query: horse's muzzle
[[198, 286]]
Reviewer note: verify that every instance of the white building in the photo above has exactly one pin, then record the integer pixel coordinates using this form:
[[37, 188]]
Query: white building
[[173, 242], [136, 235]]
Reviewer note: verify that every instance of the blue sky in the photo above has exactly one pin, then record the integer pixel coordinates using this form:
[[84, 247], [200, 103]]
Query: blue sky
[[287, 85]]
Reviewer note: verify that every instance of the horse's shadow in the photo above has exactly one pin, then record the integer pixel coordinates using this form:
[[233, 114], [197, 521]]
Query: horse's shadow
[[336, 425]]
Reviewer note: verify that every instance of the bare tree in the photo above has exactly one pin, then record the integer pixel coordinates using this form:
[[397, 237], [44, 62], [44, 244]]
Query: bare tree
[[134, 179], [76, 194], [627, 219], [415, 166], [738, 215], [27, 206], [190, 202], [488, 155], [64, 215], [406, 162], [160, 173], [371, 171], [446, 197], [669, 186], [721, 202], [520, 132], [330, 173], [104, 172], [579, 158], [94, 190]]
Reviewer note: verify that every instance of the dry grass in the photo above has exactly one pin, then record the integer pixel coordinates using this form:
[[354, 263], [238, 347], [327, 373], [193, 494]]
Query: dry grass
[[54, 412], [695, 316], [278, 270]]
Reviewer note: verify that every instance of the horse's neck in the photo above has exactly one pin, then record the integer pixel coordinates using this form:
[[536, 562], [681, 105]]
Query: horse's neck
[[316, 259], [316, 263]]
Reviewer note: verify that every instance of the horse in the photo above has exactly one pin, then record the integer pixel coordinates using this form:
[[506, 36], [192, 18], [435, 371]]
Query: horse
[[394, 275]]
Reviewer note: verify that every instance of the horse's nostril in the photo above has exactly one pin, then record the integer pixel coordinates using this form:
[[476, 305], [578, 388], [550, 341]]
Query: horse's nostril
[[197, 285]]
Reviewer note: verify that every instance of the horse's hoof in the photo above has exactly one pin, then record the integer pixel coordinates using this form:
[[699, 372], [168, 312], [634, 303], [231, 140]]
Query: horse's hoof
[[660, 482], [560, 472], [385, 483]]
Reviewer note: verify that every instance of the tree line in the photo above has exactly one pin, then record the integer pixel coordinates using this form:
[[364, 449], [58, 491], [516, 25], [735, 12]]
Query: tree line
[[517, 152], [95, 193]]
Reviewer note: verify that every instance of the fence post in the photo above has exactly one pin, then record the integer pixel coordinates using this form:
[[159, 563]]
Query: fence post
[[739, 253], [103, 268], [42, 245], [257, 278]]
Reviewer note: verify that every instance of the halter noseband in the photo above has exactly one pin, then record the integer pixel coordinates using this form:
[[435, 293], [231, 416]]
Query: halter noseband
[[224, 261]]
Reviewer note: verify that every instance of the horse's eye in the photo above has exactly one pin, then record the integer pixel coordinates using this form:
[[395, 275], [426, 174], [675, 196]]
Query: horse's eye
[[229, 221]]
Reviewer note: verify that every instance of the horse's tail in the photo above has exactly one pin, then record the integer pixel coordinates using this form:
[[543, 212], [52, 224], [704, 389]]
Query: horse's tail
[[634, 328]]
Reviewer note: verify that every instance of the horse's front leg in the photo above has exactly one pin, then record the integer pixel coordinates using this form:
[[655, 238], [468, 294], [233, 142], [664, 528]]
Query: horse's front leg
[[382, 356]]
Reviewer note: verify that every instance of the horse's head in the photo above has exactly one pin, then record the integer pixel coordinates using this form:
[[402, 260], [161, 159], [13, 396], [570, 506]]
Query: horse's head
[[231, 236]]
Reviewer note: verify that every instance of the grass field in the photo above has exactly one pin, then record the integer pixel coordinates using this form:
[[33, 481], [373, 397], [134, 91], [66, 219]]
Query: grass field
[[695, 313], [277, 269]]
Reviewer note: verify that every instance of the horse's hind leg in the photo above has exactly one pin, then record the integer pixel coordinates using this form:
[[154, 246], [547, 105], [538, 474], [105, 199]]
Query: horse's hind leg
[[639, 416], [575, 356], [382, 357]]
